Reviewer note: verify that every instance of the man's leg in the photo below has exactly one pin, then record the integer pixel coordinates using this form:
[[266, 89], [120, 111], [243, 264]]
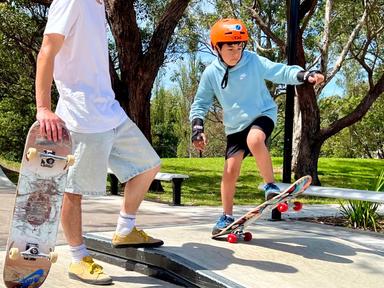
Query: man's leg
[[71, 219], [135, 189], [133, 160], [126, 234], [82, 267]]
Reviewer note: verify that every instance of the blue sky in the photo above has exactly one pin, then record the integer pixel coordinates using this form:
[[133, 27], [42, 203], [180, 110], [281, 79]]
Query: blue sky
[[331, 89]]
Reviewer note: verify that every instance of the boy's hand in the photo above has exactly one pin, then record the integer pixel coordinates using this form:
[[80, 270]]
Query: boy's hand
[[312, 77], [199, 140], [200, 143], [51, 126], [315, 78]]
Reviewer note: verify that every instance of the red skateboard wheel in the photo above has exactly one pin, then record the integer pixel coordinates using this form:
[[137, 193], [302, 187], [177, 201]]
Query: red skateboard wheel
[[247, 236], [297, 206], [232, 238], [282, 207]]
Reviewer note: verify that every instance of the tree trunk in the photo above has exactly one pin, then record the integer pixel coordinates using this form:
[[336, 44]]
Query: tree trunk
[[139, 66], [307, 151], [307, 160]]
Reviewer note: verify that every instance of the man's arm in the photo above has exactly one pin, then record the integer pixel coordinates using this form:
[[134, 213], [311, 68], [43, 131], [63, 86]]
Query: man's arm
[[50, 123]]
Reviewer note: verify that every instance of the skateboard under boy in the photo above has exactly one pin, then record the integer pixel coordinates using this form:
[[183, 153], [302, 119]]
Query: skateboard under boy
[[282, 202], [36, 214]]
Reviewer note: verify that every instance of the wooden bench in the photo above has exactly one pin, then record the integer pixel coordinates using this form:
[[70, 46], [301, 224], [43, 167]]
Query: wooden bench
[[333, 192], [176, 179]]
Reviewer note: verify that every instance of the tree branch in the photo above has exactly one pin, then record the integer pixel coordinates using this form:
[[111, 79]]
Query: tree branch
[[263, 26], [162, 35], [306, 10], [372, 95], [325, 47], [346, 48], [122, 16]]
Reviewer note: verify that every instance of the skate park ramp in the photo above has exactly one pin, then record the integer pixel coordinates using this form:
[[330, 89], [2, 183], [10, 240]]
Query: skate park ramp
[[5, 183]]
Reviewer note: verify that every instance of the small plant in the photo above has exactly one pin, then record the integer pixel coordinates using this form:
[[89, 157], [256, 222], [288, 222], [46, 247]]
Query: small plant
[[363, 214]]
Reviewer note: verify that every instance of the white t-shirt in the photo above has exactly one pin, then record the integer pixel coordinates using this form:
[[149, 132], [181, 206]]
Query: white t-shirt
[[87, 102]]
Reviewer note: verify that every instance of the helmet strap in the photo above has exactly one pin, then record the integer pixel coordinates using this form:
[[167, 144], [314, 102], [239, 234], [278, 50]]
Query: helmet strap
[[224, 82]]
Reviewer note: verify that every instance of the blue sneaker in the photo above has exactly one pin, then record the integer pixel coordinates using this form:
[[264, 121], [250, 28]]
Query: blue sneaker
[[223, 222], [271, 190]]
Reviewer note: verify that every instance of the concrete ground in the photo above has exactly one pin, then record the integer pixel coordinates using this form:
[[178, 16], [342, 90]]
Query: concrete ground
[[282, 254]]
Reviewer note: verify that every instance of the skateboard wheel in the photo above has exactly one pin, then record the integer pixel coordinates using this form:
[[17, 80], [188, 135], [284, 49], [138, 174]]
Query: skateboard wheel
[[70, 160], [247, 236], [31, 153], [232, 238], [297, 206], [53, 257], [14, 253], [282, 207]]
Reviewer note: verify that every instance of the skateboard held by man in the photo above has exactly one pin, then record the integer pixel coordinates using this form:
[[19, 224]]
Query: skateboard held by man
[[36, 214], [281, 202]]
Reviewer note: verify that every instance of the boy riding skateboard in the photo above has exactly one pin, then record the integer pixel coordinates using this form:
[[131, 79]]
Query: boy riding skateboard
[[237, 79], [75, 53]]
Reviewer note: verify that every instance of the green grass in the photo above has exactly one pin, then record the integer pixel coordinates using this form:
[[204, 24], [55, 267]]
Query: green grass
[[203, 186]]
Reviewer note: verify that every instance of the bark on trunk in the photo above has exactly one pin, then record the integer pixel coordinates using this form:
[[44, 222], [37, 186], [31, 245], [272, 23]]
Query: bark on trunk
[[308, 150], [139, 66]]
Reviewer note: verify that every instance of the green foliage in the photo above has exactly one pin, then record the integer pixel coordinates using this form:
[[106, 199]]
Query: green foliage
[[164, 119], [363, 214], [362, 139], [20, 35]]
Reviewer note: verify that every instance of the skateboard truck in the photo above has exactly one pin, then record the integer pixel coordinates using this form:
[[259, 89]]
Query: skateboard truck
[[32, 253], [233, 237], [283, 207], [32, 153]]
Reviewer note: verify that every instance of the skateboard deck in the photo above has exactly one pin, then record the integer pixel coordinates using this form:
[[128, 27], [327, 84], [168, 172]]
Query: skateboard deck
[[236, 229], [36, 214]]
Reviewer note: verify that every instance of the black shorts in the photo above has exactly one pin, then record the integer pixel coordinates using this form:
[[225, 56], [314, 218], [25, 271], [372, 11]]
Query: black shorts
[[238, 141]]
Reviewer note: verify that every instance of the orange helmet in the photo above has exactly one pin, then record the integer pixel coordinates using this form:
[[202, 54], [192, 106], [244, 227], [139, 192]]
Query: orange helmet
[[228, 30]]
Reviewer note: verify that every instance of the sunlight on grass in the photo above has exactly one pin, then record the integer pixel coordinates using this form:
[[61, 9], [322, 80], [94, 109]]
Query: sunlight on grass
[[203, 186]]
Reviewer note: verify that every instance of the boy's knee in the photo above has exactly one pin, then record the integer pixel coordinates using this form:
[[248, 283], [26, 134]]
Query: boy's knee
[[231, 174], [256, 142]]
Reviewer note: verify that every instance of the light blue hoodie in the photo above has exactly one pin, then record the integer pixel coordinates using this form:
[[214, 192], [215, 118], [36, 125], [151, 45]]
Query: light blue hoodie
[[246, 96]]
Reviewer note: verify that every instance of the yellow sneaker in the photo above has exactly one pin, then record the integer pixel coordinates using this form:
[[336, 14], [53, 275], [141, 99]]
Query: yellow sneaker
[[89, 272], [137, 238]]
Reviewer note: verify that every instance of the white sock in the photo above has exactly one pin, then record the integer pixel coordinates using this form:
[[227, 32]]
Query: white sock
[[78, 253], [125, 223], [231, 216]]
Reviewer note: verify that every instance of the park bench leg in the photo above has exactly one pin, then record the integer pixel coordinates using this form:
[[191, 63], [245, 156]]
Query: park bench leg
[[176, 188], [114, 184]]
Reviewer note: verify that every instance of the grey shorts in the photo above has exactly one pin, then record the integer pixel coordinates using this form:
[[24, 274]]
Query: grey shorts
[[124, 150]]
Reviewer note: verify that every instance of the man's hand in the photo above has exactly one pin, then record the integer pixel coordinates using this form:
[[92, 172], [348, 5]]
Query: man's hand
[[51, 126], [199, 140]]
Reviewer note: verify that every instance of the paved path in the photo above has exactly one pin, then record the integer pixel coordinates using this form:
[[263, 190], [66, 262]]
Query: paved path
[[282, 254]]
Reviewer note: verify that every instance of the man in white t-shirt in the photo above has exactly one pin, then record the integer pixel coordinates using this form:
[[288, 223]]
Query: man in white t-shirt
[[74, 53]]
